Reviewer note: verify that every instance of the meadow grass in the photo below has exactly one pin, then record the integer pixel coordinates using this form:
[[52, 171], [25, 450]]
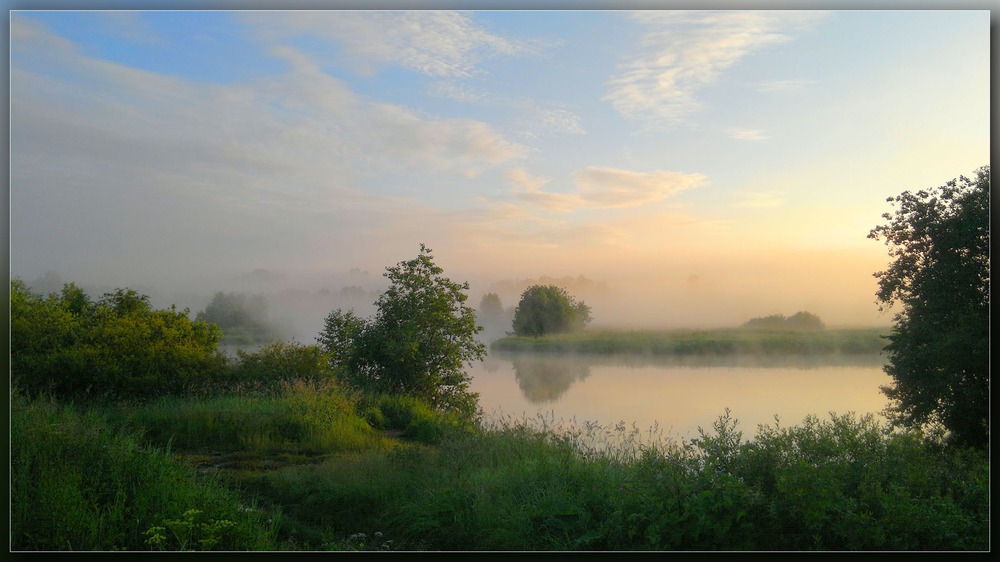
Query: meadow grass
[[79, 484], [304, 416], [104, 480], [846, 483], [714, 342]]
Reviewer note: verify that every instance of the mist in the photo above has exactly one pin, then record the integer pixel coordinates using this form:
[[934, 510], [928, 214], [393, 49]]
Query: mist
[[838, 288]]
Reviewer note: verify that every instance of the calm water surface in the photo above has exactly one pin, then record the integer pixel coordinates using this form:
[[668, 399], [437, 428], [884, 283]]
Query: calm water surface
[[677, 397]]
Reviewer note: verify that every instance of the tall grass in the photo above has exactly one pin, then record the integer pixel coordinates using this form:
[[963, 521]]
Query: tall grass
[[78, 484], [304, 417], [845, 483]]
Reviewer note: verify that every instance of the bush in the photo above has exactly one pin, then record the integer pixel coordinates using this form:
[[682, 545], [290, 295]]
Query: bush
[[68, 347], [264, 370]]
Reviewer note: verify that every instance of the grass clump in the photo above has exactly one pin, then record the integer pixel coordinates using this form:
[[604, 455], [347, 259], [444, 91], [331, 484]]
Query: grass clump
[[78, 484], [304, 416]]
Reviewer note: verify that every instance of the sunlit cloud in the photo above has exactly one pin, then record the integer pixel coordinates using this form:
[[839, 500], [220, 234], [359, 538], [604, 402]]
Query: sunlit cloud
[[604, 188], [615, 188], [431, 42], [747, 134], [683, 52]]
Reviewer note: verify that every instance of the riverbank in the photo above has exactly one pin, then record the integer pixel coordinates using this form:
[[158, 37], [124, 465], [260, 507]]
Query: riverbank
[[332, 472], [715, 342]]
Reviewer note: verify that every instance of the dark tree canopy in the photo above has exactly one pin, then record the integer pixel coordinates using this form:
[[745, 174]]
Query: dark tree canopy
[[939, 276], [418, 341], [548, 309]]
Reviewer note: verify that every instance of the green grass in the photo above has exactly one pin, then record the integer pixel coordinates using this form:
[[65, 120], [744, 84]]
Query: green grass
[[104, 479], [78, 484], [716, 342], [304, 417]]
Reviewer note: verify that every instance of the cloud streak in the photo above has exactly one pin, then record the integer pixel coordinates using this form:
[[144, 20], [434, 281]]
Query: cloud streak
[[434, 43], [604, 188], [683, 52]]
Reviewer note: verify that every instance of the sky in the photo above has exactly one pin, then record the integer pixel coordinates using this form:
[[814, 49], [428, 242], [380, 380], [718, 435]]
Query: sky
[[701, 167]]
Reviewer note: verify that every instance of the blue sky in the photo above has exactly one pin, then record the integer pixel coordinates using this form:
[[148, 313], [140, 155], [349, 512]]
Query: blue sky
[[706, 165]]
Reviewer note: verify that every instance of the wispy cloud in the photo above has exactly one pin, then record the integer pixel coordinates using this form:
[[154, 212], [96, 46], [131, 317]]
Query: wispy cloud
[[683, 52], [538, 117], [604, 188], [747, 134], [783, 86], [143, 158], [432, 42]]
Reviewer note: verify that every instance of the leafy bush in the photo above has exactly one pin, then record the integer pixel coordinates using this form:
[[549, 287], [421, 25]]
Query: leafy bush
[[68, 347], [264, 370]]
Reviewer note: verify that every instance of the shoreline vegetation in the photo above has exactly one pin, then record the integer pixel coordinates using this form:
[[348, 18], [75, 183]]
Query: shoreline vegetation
[[717, 342]]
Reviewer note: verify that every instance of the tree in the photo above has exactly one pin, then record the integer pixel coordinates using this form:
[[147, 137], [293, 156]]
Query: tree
[[418, 341], [548, 309], [243, 319], [938, 349]]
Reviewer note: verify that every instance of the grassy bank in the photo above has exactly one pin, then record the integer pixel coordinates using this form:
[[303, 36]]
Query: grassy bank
[[387, 473], [716, 342]]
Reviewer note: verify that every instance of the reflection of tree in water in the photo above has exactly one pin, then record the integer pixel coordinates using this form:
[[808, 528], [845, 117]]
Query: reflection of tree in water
[[544, 379]]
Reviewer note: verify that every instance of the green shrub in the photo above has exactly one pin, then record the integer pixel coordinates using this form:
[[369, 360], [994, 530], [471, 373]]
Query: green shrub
[[70, 348]]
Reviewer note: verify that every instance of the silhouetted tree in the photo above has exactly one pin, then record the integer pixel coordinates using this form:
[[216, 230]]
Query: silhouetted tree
[[939, 347]]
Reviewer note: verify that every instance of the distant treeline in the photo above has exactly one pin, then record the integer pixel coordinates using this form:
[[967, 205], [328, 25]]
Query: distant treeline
[[723, 341], [798, 321]]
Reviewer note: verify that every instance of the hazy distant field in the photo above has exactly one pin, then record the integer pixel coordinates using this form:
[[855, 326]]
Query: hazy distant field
[[721, 341]]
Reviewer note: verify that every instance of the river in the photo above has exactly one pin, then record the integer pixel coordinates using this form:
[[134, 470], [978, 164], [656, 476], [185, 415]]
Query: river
[[677, 397]]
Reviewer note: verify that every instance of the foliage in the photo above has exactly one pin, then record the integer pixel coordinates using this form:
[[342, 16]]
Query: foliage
[[418, 341], [799, 321], [77, 483], [70, 347], [242, 318], [939, 239], [265, 370], [841, 484], [548, 309]]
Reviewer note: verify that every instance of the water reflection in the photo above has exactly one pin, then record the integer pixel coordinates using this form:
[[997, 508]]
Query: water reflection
[[545, 378], [678, 395]]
